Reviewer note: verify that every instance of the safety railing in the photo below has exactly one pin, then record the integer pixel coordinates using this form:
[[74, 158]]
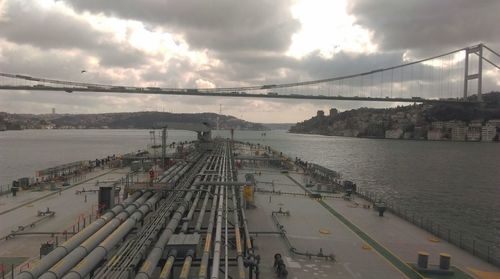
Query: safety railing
[[4, 189], [486, 250]]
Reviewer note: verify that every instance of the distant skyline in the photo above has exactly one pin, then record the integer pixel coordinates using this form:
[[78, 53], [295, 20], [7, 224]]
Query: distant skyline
[[223, 43]]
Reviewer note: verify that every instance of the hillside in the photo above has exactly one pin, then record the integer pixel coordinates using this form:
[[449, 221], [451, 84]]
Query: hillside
[[409, 122], [132, 120]]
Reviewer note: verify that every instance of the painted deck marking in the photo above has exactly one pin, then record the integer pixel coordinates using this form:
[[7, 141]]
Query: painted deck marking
[[400, 265]]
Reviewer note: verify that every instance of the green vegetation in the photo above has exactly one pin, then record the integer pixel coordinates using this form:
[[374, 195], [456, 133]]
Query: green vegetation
[[125, 120]]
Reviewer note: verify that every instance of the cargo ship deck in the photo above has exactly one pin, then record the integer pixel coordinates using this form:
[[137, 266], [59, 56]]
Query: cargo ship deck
[[222, 211]]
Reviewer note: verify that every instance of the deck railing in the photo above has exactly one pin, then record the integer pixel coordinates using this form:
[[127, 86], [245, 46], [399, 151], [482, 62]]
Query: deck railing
[[4, 189], [486, 250]]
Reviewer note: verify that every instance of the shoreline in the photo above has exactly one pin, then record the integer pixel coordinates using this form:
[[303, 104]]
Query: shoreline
[[400, 139]]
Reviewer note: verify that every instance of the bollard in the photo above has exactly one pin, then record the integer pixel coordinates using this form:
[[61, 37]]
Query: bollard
[[423, 259], [444, 261]]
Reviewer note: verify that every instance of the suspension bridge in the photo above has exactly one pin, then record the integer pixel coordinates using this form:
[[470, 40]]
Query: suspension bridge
[[455, 76]]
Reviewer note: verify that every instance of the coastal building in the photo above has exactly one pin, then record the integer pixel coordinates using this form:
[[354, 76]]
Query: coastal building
[[393, 133], [494, 122], [320, 113], [473, 133], [488, 132], [437, 125], [452, 124], [458, 133], [435, 134]]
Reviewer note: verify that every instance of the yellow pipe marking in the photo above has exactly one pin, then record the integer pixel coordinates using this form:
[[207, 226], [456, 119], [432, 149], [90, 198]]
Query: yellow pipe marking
[[238, 241], [207, 242], [146, 265], [167, 267]]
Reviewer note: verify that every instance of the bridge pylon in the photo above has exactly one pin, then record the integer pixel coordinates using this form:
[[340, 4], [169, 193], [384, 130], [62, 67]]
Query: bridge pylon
[[478, 50]]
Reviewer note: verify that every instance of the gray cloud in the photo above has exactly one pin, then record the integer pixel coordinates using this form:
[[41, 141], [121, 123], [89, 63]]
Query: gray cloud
[[28, 24], [428, 26], [220, 26], [51, 29], [248, 38]]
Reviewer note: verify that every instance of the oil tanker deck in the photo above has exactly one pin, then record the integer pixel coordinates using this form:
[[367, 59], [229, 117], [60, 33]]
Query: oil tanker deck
[[218, 209]]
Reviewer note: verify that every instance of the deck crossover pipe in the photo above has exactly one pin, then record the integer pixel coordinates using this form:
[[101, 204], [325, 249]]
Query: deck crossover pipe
[[63, 249], [189, 216], [166, 174], [218, 227], [132, 252], [237, 235], [186, 267], [167, 268], [203, 270], [176, 171], [203, 209], [88, 264], [66, 263], [208, 240], [149, 265]]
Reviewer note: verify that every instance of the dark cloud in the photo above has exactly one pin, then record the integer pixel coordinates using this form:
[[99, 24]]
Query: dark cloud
[[51, 29], [245, 42], [22, 59], [221, 26], [428, 26]]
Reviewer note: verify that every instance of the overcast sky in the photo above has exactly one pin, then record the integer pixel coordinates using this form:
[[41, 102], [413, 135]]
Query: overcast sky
[[219, 43]]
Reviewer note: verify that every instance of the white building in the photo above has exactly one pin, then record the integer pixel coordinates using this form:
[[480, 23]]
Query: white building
[[488, 132], [458, 133], [434, 135], [473, 133], [494, 122], [453, 123], [437, 125], [393, 134]]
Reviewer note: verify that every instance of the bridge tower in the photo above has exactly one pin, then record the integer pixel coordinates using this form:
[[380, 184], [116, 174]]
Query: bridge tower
[[478, 50]]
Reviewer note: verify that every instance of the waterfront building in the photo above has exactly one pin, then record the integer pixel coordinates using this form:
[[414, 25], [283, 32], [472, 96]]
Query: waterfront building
[[458, 133], [494, 122], [453, 123], [434, 134], [488, 132], [473, 133], [393, 133], [437, 125]]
